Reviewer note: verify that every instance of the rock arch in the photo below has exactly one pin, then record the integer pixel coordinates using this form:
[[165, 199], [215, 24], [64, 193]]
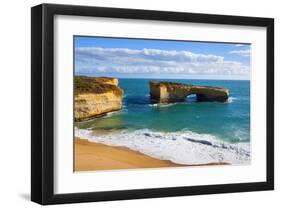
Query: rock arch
[[165, 92]]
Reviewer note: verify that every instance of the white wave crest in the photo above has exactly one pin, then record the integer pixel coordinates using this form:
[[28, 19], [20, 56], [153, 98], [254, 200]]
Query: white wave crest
[[184, 147], [162, 105], [231, 99]]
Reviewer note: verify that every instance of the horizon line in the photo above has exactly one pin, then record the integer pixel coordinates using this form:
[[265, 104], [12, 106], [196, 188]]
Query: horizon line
[[164, 78]]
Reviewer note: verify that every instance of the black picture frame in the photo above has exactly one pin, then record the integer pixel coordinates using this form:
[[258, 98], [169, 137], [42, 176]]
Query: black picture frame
[[42, 103]]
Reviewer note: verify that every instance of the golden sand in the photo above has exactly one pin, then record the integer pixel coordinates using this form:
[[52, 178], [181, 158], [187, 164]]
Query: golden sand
[[90, 156], [94, 156]]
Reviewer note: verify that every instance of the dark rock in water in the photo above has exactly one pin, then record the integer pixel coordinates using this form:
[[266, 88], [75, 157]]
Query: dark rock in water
[[224, 146], [152, 135], [166, 92], [147, 134], [199, 141]]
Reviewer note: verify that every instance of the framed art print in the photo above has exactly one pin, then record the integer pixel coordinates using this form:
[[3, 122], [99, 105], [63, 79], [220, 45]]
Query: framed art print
[[130, 104]]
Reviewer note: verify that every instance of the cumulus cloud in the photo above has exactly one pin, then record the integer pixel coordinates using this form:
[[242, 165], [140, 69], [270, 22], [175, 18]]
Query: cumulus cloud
[[245, 53], [153, 61]]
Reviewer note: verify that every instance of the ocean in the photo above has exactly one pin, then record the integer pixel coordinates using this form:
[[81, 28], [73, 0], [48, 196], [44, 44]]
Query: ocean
[[188, 132]]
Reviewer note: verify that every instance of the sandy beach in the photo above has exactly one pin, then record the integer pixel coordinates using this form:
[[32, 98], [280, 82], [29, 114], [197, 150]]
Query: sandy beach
[[94, 156]]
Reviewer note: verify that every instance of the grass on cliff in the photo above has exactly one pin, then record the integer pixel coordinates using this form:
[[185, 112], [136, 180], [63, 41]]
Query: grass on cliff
[[93, 79], [94, 85]]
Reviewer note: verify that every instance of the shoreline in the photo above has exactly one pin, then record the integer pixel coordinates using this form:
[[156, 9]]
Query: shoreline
[[91, 156]]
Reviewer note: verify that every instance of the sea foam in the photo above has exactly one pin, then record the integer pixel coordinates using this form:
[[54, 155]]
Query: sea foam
[[231, 99], [183, 147], [161, 105]]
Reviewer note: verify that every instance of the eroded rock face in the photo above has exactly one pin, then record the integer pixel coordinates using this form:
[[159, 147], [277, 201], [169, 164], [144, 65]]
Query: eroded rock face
[[96, 96], [165, 92]]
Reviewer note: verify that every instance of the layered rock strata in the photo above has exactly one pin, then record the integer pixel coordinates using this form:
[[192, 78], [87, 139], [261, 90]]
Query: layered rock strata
[[166, 92], [96, 96]]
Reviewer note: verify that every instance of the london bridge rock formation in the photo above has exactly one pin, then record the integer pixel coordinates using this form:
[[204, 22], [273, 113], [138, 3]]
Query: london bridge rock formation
[[165, 92], [96, 96]]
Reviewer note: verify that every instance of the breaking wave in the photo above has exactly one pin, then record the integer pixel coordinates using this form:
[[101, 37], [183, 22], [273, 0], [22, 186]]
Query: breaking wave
[[182, 147], [231, 99], [162, 105]]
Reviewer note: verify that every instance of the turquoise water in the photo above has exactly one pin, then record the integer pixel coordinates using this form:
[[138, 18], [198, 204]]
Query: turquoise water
[[229, 121]]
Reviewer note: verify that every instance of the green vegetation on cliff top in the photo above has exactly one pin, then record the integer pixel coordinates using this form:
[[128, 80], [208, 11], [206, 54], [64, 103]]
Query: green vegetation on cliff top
[[96, 85]]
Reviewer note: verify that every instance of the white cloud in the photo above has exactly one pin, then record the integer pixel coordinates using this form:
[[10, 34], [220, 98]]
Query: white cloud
[[239, 45], [245, 53], [154, 61]]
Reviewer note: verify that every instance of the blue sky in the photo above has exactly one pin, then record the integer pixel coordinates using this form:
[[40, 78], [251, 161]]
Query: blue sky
[[140, 58]]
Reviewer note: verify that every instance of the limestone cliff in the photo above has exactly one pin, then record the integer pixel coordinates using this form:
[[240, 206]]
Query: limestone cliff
[[96, 96], [165, 92]]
